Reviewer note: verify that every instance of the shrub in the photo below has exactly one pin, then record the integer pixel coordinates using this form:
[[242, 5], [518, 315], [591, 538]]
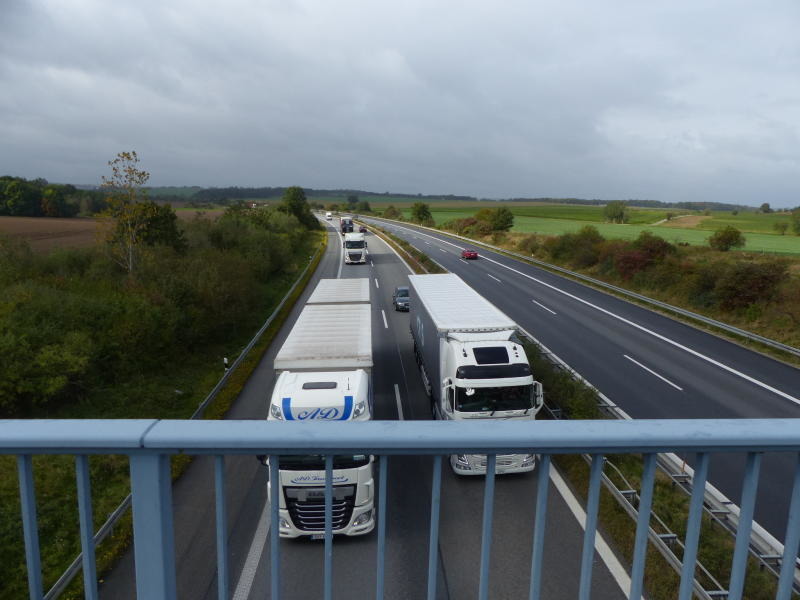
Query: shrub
[[742, 284], [528, 244], [653, 247], [726, 238], [630, 262]]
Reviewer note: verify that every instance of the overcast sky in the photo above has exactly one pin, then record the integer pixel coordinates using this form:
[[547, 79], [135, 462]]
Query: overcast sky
[[663, 100]]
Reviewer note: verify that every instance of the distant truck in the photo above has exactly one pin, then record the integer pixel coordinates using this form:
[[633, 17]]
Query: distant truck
[[471, 365], [324, 373], [355, 248], [328, 216], [346, 224]]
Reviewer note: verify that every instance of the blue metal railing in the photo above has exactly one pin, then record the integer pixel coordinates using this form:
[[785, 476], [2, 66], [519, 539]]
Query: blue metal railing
[[150, 444]]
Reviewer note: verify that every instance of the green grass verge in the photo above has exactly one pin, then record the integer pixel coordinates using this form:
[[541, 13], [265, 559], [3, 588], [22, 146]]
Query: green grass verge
[[173, 395], [578, 401]]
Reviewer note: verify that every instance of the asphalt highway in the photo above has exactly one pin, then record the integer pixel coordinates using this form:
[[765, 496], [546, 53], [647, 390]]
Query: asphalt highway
[[398, 393], [650, 365]]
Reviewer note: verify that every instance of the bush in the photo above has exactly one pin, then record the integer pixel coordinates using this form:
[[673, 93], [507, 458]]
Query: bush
[[726, 238], [742, 284], [528, 244]]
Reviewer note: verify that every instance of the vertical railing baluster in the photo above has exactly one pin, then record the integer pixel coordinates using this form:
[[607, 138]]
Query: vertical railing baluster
[[542, 487], [328, 527], [30, 527], [223, 581], [740, 554], [433, 545], [486, 536], [592, 504], [792, 541], [643, 525], [275, 526], [382, 467], [693, 526], [153, 536], [87, 526]]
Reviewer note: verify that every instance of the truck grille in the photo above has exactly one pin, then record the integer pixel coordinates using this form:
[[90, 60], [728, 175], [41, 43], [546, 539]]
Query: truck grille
[[503, 460], [307, 507], [354, 255]]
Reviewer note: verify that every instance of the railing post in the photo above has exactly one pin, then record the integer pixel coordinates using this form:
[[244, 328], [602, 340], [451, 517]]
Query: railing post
[[30, 528], [153, 537]]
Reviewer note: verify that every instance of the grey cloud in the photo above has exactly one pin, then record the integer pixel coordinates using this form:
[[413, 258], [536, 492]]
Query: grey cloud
[[655, 100]]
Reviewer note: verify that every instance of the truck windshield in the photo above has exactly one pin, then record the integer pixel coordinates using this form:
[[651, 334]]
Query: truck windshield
[[515, 397], [316, 462], [353, 244]]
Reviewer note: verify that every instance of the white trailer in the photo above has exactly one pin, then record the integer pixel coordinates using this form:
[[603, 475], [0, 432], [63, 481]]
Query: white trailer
[[324, 373], [470, 362]]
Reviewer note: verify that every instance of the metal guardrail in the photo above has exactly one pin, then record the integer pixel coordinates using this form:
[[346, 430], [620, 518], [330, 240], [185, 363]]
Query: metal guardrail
[[764, 546], [622, 291], [149, 444], [74, 568]]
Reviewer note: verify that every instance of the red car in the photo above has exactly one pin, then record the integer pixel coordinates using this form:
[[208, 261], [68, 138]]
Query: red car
[[469, 253]]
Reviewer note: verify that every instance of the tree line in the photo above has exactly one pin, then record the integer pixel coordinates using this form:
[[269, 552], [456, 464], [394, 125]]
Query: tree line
[[21, 197]]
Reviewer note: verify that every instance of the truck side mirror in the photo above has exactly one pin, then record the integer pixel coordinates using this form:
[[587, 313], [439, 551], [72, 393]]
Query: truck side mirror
[[538, 400], [449, 395]]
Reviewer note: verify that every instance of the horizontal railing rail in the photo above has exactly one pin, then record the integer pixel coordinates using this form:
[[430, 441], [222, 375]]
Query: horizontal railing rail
[[749, 335], [149, 444]]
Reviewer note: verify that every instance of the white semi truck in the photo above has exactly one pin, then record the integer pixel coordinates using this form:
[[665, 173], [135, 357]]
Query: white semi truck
[[324, 373], [355, 248], [471, 365]]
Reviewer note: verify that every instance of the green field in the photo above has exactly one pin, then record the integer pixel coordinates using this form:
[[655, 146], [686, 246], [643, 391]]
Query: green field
[[746, 221], [555, 219]]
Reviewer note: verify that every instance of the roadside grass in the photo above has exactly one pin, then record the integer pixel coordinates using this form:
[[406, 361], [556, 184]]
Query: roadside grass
[[172, 395], [670, 504]]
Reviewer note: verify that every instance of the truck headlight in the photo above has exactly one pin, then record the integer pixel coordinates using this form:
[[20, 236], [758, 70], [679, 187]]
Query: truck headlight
[[528, 459], [462, 461], [363, 519], [283, 523], [359, 409], [275, 411]]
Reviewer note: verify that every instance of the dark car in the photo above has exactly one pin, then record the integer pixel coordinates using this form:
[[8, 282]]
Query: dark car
[[362, 229], [469, 253], [400, 298]]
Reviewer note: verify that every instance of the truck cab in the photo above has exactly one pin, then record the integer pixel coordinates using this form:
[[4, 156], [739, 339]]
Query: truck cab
[[328, 216], [327, 396], [492, 380], [355, 248]]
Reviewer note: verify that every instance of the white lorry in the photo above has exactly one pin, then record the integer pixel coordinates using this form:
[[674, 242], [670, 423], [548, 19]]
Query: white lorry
[[471, 365], [324, 371], [328, 216], [355, 248]]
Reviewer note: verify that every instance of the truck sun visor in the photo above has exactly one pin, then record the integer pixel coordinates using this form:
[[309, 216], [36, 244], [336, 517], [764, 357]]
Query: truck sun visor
[[319, 385], [491, 355]]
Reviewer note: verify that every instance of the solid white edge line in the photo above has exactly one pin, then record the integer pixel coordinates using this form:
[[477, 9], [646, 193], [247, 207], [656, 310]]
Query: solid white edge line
[[664, 379], [377, 285], [341, 256], [399, 404], [385, 323], [250, 567], [663, 338], [543, 306], [615, 567], [495, 278]]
